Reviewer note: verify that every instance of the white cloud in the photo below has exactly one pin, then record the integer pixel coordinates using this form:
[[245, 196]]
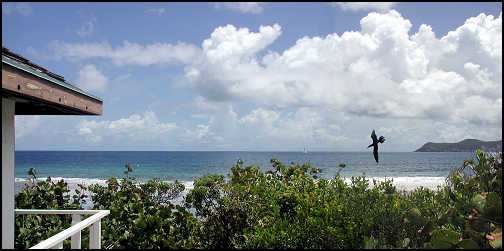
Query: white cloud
[[481, 111], [201, 134], [90, 130], [243, 7], [135, 128], [159, 11], [357, 6], [379, 71], [454, 133], [204, 104], [128, 53], [135, 122], [24, 9], [202, 131], [87, 28], [91, 79], [303, 127], [228, 56], [260, 116], [26, 125]]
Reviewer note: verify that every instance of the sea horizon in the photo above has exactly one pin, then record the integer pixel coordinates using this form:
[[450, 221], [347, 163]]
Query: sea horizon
[[187, 166], [323, 151]]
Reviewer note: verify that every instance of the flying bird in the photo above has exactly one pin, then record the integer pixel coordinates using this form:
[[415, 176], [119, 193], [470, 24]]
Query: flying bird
[[375, 144]]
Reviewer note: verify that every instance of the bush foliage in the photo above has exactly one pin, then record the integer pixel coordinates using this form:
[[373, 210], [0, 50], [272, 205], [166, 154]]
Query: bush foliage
[[285, 207]]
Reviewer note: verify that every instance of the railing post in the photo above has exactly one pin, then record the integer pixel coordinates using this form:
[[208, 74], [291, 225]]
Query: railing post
[[76, 238], [95, 235], [74, 232], [58, 246]]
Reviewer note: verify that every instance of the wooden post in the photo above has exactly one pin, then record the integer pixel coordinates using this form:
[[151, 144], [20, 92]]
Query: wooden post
[[76, 238], [8, 109], [95, 235]]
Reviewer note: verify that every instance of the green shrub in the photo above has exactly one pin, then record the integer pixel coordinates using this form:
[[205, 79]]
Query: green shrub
[[285, 207], [142, 215], [289, 207], [29, 230], [468, 212]]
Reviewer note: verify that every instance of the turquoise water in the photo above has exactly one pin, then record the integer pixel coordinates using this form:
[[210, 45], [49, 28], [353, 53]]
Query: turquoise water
[[408, 169]]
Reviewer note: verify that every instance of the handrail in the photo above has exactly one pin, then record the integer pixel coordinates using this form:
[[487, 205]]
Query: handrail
[[94, 221], [55, 211]]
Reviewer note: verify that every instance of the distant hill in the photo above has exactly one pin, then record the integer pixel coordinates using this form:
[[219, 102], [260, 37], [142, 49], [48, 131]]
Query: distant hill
[[466, 145]]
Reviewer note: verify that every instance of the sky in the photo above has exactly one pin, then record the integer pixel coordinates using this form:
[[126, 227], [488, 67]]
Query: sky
[[198, 76]]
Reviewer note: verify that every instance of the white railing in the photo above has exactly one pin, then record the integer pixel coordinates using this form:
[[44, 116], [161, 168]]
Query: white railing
[[56, 241]]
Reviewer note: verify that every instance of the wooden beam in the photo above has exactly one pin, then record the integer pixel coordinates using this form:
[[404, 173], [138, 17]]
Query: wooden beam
[[24, 85]]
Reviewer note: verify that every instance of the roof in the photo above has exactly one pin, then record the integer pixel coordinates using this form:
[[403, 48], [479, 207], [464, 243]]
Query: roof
[[39, 91]]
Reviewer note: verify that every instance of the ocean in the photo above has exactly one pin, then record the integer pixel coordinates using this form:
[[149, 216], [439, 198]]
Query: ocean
[[408, 170]]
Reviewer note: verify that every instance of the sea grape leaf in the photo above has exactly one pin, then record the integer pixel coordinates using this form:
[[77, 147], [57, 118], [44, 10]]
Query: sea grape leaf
[[468, 244], [480, 225], [443, 236], [495, 238], [441, 244], [494, 206], [479, 201], [413, 215]]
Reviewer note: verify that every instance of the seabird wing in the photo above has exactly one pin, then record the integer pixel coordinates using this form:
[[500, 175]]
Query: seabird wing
[[373, 136]]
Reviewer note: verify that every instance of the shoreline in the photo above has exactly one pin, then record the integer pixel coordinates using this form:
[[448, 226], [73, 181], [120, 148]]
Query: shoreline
[[404, 185]]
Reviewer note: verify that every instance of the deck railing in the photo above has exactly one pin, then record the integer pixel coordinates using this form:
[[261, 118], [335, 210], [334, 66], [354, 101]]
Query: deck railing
[[56, 241]]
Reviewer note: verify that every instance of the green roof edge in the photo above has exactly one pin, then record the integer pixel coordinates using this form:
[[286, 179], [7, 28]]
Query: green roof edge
[[28, 69]]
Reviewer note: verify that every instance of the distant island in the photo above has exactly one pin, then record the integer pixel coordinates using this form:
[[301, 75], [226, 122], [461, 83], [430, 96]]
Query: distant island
[[466, 145]]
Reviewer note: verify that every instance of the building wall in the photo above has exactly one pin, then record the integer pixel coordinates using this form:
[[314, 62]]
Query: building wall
[[8, 109]]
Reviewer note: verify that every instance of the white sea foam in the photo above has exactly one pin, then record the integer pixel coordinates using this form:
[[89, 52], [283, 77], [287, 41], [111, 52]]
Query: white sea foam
[[69, 181], [401, 183], [408, 183]]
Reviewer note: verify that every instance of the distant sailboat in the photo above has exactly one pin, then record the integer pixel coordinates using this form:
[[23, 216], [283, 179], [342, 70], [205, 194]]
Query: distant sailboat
[[304, 150]]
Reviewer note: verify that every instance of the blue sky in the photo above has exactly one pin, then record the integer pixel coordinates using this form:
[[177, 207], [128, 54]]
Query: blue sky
[[264, 76]]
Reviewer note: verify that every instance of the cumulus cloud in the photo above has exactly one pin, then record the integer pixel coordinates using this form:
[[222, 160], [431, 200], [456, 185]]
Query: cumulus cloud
[[24, 9], [306, 126], [127, 54], [260, 115], [378, 71], [91, 79], [228, 57], [201, 134], [87, 28], [365, 6], [145, 128], [132, 129], [454, 132], [243, 7], [204, 104]]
